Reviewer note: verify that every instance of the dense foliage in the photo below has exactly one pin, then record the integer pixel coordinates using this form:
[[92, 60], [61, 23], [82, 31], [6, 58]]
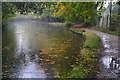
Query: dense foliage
[[75, 11], [11, 8], [71, 12]]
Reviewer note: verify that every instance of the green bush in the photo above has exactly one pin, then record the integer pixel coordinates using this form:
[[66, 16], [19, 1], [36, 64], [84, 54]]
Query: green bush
[[112, 30], [77, 30], [4, 24], [68, 24]]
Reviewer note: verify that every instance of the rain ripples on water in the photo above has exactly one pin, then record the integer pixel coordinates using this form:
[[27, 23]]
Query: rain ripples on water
[[38, 50]]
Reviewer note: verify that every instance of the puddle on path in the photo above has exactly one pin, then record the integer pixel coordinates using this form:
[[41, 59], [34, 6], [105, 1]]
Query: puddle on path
[[110, 60]]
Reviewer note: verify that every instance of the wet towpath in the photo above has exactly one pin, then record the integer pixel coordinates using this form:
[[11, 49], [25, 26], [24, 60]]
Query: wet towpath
[[110, 57]]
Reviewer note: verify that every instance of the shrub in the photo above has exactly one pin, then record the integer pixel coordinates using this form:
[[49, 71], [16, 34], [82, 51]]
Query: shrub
[[68, 24]]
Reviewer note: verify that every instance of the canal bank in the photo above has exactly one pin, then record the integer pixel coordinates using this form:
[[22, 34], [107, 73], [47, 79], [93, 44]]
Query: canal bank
[[109, 59], [87, 67]]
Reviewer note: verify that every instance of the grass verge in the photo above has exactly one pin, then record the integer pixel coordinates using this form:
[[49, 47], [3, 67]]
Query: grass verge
[[87, 62], [77, 30], [107, 31]]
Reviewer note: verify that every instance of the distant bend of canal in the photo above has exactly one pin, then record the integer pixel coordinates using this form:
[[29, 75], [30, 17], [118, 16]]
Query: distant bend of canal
[[33, 49]]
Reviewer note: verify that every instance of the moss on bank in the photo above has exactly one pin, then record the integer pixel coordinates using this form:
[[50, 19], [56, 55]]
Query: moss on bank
[[77, 30], [87, 63]]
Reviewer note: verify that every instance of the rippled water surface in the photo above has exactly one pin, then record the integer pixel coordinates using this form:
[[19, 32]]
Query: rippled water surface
[[33, 49]]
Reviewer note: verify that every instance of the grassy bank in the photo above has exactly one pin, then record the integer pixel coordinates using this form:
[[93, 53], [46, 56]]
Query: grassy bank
[[87, 62], [107, 31]]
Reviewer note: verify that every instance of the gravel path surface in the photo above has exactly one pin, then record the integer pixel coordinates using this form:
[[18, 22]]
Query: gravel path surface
[[109, 61]]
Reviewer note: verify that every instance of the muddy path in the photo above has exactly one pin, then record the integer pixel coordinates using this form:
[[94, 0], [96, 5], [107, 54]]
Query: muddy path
[[109, 61]]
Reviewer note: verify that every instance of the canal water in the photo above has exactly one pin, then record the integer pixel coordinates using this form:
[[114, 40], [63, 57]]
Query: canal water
[[33, 49]]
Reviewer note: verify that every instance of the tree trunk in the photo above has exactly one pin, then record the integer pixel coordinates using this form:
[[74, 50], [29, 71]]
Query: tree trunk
[[110, 13]]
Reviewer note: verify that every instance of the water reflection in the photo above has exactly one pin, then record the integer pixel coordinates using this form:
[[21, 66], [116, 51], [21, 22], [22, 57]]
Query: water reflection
[[110, 59], [105, 41], [41, 50], [31, 70], [111, 51], [106, 61]]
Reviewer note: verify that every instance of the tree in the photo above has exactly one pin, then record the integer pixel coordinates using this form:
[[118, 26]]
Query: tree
[[9, 9], [75, 11]]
